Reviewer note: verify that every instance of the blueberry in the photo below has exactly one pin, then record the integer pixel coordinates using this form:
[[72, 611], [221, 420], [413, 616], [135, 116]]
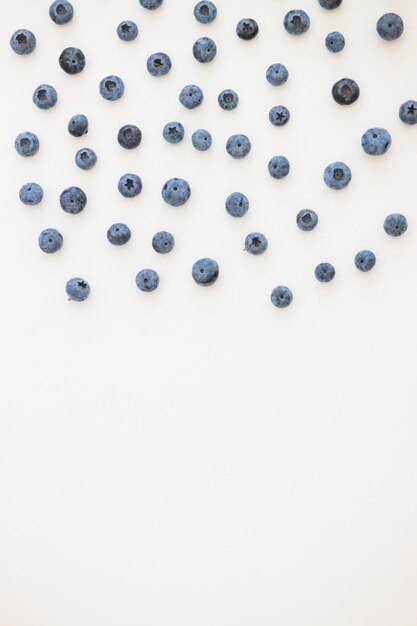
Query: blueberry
[[77, 289], [50, 240], [390, 26], [365, 260], [345, 91], [61, 12], [330, 4], [73, 200], [26, 144], [173, 132], [395, 224], [307, 219], [204, 50], [296, 22], [147, 280], [256, 243], [129, 136], [118, 234], [228, 99], [325, 272], [127, 30], [408, 112], [205, 12], [205, 272], [201, 139], [191, 96], [111, 87], [279, 167], [335, 41], [78, 125], [85, 158], [337, 175], [163, 242], [158, 64], [238, 146], [237, 204], [72, 60], [130, 185], [277, 74], [247, 29], [23, 41], [176, 192], [45, 97], [281, 296], [376, 141], [151, 4], [31, 193], [279, 115]]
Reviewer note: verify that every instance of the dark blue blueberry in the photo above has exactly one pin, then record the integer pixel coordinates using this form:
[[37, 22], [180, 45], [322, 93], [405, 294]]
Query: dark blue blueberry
[[26, 144], [163, 242], [337, 175], [50, 240], [365, 260], [23, 41], [73, 200], [191, 96], [256, 243], [335, 41], [277, 74], [130, 185], [72, 60], [176, 192], [330, 4], [147, 280], [127, 30], [118, 234], [307, 219], [77, 289], [279, 115], [151, 4], [205, 12], [205, 272], [395, 224], [111, 87], [129, 136], [345, 91], [45, 97], [61, 12], [204, 50], [408, 112], [279, 167], [78, 125], [281, 296], [158, 64], [238, 146], [31, 193], [376, 141], [325, 272], [247, 28], [228, 99], [390, 26], [201, 139], [237, 204], [173, 132], [85, 158], [296, 22]]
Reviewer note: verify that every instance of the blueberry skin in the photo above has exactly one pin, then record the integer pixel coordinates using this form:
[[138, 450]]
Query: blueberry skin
[[376, 141], [228, 99], [77, 289], [201, 140], [390, 26], [163, 242], [50, 240], [279, 115], [78, 125], [85, 158], [238, 146], [23, 41], [365, 260], [237, 204], [296, 22], [345, 91], [277, 74], [205, 272], [176, 192], [111, 88], [31, 193], [337, 175], [281, 297], [26, 144], [147, 280], [256, 243], [204, 50], [247, 29], [191, 96], [324, 272], [151, 4], [173, 132], [45, 97], [205, 12], [118, 234], [395, 224], [72, 60], [129, 185], [61, 12], [73, 200], [158, 64], [279, 167], [127, 30], [330, 4], [129, 136], [335, 41], [307, 219], [408, 112]]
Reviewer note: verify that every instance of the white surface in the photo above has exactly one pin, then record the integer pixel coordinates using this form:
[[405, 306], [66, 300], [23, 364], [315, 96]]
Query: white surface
[[195, 456]]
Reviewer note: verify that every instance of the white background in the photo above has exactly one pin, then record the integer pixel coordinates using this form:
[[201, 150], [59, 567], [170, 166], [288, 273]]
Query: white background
[[196, 456]]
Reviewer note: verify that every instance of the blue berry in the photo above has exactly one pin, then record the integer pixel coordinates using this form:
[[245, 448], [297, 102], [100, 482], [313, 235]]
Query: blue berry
[[173, 132], [330, 4], [277, 74], [127, 30], [26, 144], [191, 96], [204, 50], [390, 26], [335, 41], [237, 204], [228, 99], [85, 158], [111, 88], [147, 280], [50, 240], [279, 115], [205, 12], [395, 224], [279, 167], [345, 91], [256, 243], [151, 4], [78, 125], [201, 139], [307, 219], [376, 141], [118, 234], [281, 297], [158, 64], [365, 260], [247, 29], [176, 192], [163, 242], [23, 41], [73, 200], [325, 272], [337, 175], [129, 136], [408, 112], [238, 146], [77, 289], [130, 185], [205, 272], [61, 12], [72, 60], [31, 193], [45, 97], [296, 22]]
